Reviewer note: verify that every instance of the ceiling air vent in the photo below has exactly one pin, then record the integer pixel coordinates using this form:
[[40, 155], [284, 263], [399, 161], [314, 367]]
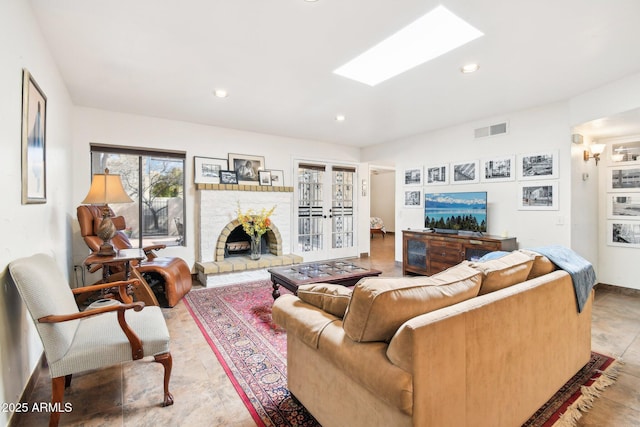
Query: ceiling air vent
[[497, 129]]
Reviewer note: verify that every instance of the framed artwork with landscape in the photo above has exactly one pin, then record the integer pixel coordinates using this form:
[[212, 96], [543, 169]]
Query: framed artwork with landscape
[[206, 170], [246, 167], [34, 134]]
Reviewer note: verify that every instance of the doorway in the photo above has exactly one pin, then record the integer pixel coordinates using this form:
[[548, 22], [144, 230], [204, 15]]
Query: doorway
[[382, 181], [326, 210]]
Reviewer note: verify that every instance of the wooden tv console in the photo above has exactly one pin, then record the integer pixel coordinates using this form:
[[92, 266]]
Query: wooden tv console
[[426, 253]]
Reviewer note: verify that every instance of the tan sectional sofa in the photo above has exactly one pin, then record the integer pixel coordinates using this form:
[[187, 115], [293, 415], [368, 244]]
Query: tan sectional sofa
[[481, 344]]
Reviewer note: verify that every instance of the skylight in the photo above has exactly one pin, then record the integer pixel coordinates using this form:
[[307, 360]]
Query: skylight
[[430, 36]]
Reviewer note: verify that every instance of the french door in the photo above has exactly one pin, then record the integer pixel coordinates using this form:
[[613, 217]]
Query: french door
[[325, 214]]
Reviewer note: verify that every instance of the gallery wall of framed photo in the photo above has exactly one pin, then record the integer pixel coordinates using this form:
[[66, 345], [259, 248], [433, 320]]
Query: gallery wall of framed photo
[[622, 179], [536, 172]]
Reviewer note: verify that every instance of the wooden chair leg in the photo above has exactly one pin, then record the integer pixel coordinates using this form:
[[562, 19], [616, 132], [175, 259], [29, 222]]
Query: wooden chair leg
[[167, 361], [57, 394]]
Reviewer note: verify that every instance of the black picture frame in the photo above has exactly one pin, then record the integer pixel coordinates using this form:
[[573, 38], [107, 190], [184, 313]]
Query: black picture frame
[[265, 177], [228, 177]]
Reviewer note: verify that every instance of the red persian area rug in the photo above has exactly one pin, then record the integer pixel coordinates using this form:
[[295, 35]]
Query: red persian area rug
[[236, 322]]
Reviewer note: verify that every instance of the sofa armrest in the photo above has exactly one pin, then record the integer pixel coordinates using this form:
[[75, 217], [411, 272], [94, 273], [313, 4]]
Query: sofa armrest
[[301, 319]]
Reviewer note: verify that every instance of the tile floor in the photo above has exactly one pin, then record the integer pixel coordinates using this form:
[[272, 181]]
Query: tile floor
[[130, 395]]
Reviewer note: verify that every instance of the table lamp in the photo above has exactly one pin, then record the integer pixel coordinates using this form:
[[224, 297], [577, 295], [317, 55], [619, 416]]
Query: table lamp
[[105, 189]]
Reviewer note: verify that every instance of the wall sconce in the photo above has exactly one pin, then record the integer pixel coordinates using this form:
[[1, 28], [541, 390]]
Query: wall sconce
[[594, 152]]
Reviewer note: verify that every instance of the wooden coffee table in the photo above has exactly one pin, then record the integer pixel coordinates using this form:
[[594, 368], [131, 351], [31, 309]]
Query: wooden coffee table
[[339, 272]]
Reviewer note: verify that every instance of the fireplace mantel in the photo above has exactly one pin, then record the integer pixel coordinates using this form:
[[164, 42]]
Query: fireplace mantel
[[242, 187]]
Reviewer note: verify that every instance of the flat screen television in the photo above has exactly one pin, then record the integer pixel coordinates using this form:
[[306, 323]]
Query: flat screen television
[[453, 212]]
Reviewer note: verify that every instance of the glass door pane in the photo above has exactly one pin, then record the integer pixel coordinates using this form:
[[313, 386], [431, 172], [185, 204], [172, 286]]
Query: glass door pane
[[342, 224], [310, 208]]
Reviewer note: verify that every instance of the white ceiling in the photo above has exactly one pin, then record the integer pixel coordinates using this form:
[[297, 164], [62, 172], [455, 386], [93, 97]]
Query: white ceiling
[[276, 57]]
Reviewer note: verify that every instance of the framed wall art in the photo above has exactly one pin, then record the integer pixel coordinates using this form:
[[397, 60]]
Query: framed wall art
[[624, 178], [34, 134], [228, 177], [623, 206], [206, 170], [413, 176], [246, 167], [623, 233], [465, 172], [437, 175], [538, 196], [536, 166], [265, 177], [625, 150], [413, 198], [277, 178], [498, 169]]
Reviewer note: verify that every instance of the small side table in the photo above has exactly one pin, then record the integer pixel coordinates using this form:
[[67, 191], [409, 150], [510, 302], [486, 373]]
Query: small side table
[[124, 257]]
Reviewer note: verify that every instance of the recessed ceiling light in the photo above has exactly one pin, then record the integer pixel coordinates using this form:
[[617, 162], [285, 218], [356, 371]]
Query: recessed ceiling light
[[430, 36], [469, 68], [220, 93], [340, 118]]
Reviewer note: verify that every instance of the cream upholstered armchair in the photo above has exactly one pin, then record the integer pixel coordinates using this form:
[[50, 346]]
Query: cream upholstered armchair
[[76, 341]]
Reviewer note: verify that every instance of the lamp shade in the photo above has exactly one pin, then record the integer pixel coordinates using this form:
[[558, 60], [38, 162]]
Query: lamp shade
[[598, 148], [106, 188]]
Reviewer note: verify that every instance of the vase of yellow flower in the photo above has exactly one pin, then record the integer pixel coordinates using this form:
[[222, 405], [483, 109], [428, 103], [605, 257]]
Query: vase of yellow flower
[[255, 224]]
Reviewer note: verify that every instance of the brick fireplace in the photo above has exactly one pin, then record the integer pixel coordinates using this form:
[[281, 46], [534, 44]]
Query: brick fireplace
[[217, 215]]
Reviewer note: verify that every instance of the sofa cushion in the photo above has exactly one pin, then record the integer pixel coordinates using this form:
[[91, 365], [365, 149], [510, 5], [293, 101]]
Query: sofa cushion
[[329, 297], [504, 271], [541, 264], [306, 324], [380, 305]]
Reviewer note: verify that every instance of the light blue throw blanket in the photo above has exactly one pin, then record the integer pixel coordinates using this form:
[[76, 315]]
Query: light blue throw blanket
[[580, 270]]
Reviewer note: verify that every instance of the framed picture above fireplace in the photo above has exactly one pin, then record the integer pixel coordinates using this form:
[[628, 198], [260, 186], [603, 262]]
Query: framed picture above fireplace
[[206, 170], [246, 167], [228, 177]]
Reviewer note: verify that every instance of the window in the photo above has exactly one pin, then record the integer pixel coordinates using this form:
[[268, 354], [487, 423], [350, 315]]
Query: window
[[155, 181]]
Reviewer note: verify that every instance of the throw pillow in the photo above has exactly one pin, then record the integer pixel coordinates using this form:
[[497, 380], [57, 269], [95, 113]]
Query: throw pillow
[[541, 264], [503, 272], [326, 296], [379, 306]]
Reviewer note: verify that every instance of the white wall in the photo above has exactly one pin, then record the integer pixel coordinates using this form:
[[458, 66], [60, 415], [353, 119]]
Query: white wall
[[105, 127], [27, 229], [536, 130], [616, 265]]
